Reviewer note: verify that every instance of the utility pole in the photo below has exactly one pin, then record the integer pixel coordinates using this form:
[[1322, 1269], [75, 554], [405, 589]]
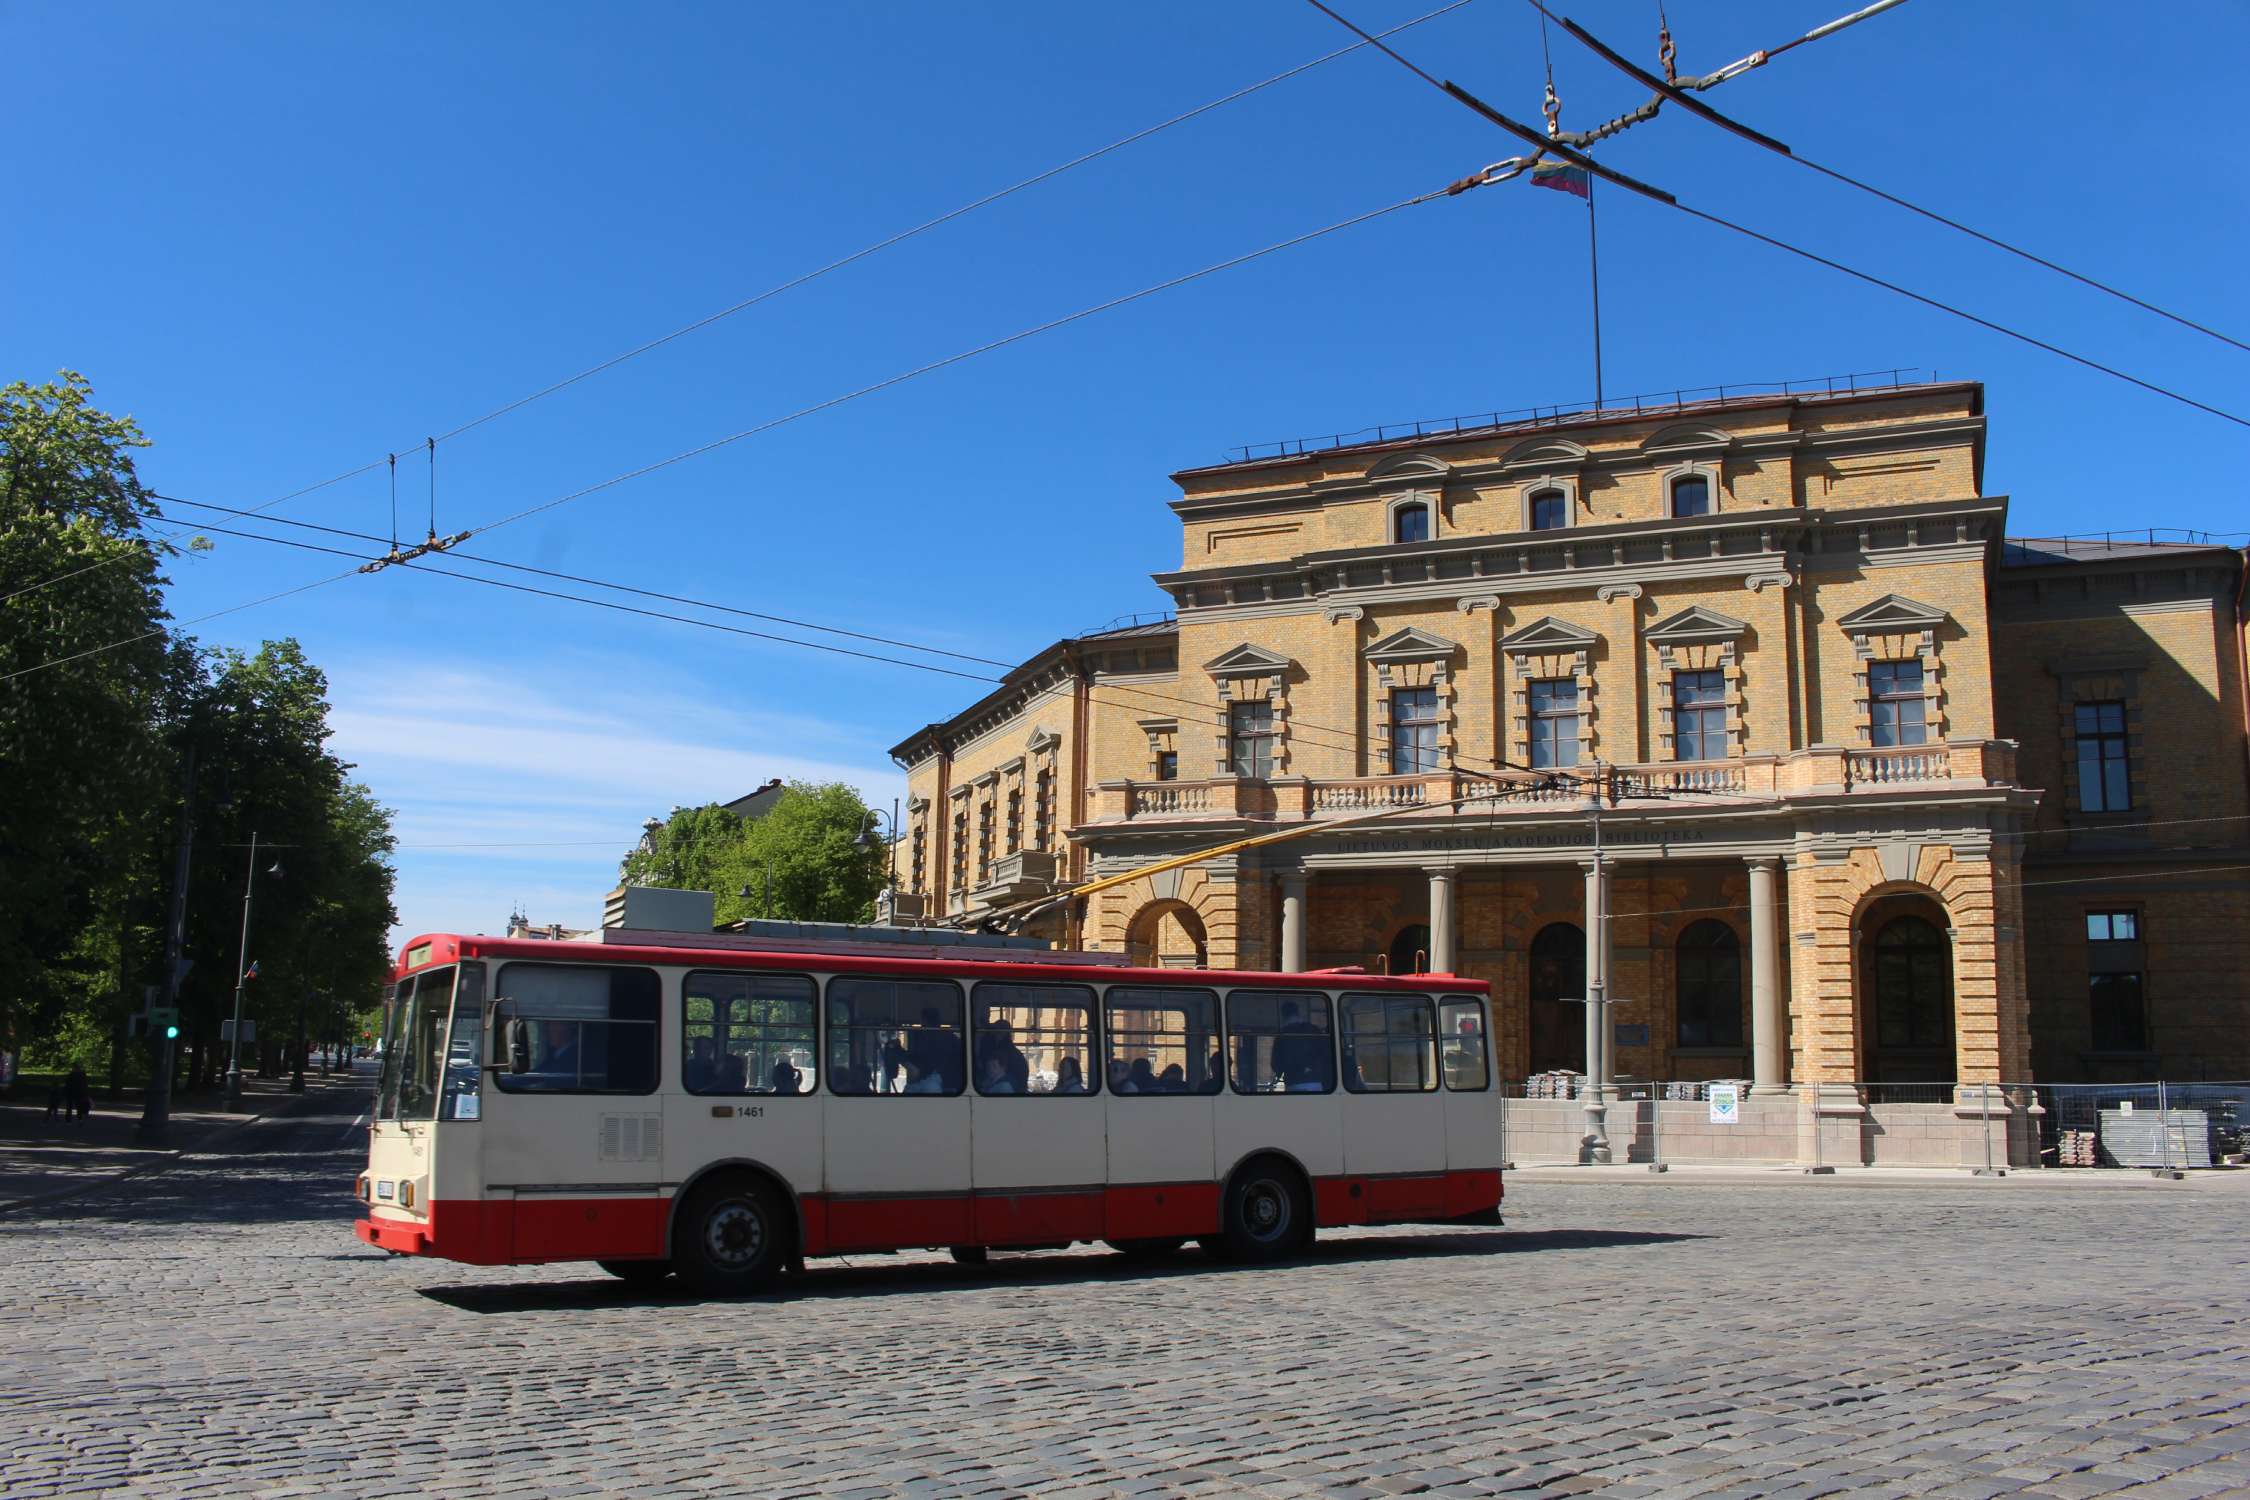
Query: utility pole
[[156, 1105], [241, 978], [1595, 1145]]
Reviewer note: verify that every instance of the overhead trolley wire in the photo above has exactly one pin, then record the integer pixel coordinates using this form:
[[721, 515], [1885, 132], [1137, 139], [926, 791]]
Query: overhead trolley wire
[[1571, 154], [805, 277], [1498, 172], [1677, 94]]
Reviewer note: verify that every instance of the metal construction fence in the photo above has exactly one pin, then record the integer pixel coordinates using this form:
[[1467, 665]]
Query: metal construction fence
[[1979, 1127]]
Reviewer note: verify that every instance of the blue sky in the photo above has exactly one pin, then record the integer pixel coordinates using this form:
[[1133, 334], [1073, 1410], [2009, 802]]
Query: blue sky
[[291, 239]]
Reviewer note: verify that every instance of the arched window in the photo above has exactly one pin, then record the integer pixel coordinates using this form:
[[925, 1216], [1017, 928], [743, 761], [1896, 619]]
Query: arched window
[[1708, 980], [1691, 495], [1411, 522], [1550, 510], [1913, 989], [1410, 950]]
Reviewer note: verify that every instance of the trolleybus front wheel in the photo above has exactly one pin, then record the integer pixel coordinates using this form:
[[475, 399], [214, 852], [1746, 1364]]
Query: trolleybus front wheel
[[732, 1236]]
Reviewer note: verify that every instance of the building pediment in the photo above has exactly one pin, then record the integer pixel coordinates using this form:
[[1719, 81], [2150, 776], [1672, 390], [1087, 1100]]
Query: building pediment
[[1544, 452], [1247, 660], [1549, 634], [1687, 438], [1042, 739], [1412, 644], [1893, 612], [1410, 466], [1696, 625]]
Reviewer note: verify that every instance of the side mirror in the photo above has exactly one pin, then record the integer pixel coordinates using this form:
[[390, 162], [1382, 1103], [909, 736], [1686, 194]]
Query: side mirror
[[516, 1035]]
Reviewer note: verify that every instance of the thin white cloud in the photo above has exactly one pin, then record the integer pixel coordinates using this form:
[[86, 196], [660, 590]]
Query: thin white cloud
[[524, 786]]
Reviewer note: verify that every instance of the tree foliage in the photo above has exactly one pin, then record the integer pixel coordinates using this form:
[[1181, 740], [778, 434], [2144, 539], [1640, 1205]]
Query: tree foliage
[[97, 735], [802, 861]]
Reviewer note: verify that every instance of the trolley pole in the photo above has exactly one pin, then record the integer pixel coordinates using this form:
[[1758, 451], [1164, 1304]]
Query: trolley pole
[[241, 978]]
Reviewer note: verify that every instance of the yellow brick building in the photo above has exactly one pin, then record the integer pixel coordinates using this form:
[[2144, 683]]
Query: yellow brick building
[[1883, 771]]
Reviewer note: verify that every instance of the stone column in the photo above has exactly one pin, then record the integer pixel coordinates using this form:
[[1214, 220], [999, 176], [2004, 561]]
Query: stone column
[[1442, 923], [1293, 935], [1594, 1147], [1769, 1055]]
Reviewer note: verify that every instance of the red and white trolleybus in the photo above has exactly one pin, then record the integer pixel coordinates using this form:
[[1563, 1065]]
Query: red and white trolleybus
[[721, 1108]]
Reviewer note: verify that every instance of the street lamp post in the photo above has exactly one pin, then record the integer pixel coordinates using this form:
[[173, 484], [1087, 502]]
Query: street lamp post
[[242, 976], [888, 843], [1595, 1146]]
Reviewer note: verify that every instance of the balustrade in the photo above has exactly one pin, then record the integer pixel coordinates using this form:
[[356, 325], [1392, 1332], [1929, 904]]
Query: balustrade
[[1895, 764]]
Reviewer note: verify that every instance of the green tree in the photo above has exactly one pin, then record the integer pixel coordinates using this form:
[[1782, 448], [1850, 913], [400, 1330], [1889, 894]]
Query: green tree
[[801, 862], [83, 764]]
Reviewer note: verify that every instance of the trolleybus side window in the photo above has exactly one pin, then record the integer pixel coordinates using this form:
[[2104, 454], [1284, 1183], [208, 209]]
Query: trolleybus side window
[[895, 1037], [1388, 1044], [1282, 1042], [1162, 1041], [1035, 1039], [747, 1033], [590, 1028], [1461, 1044]]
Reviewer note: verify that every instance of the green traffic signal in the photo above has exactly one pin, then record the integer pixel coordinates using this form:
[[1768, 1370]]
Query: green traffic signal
[[171, 1033]]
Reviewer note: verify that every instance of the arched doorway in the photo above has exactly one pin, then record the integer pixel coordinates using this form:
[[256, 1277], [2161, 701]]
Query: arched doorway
[[1906, 996], [1410, 950], [1707, 986], [1166, 935], [1558, 974]]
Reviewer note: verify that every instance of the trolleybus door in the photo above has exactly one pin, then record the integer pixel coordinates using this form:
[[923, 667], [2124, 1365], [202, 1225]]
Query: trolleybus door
[[1394, 1121], [1037, 1120], [896, 1120], [1160, 1047]]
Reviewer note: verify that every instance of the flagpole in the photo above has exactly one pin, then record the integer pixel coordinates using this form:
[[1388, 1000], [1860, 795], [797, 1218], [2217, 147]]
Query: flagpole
[[1594, 268]]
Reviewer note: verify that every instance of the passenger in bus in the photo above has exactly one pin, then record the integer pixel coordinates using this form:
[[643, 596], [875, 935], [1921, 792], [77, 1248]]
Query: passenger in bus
[[996, 1079], [1173, 1080], [933, 1051], [1300, 1053], [997, 1040], [558, 1049], [1069, 1077], [889, 1077], [733, 1074], [1142, 1075], [786, 1079], [1120, 1077], [700, 1065]]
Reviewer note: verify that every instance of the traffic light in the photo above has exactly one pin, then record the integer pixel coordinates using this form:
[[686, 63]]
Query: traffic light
[[172, 1032]]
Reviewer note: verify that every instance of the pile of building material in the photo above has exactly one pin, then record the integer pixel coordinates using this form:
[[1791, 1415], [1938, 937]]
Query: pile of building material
[[2156, 1138], [2077, 1148], [1559, 1084]]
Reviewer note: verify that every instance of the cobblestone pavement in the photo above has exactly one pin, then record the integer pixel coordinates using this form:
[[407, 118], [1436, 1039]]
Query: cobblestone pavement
[[215, 1330]]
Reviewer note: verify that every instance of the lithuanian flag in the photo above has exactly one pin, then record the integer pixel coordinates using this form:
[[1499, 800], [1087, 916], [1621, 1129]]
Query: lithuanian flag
[[1562, 176]]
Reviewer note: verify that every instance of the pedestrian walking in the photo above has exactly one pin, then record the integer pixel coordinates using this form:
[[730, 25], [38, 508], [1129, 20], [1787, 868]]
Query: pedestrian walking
[[78, 1095]]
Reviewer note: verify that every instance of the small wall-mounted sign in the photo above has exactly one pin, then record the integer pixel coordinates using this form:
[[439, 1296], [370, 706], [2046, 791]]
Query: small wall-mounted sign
[[1726, 1104]]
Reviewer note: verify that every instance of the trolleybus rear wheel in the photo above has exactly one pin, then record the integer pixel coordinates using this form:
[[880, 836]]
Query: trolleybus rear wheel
[[1268, 1212], [732, 1236]]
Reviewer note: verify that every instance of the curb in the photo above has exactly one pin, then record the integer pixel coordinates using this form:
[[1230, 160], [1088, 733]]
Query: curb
[[286, 1105]]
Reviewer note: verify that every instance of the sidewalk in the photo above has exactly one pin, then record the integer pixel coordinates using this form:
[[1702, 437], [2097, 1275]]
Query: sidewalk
[[43, 1159], [1785, 1174]]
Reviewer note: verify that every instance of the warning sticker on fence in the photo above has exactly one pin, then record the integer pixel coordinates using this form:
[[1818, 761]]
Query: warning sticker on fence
[[1726, 1104]]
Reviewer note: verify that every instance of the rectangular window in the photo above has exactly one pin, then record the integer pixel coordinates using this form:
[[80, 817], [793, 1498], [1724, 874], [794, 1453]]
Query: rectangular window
[[1015, 819], [921, 856], [1282, 1041], [984, 840], [895, 1037], [1699, 716], [1414, 730], [1895, 705], [2114, 964], [1554, 722], [1389, 1044], [1461, 1045], [1162, 1041], [2105, 782], [1691, 496], [1035, 1039], [960, 849], [593, 1027], [1250, 738], [1167, 765], [747, 1033], [1043, 810], [1549, 511]]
